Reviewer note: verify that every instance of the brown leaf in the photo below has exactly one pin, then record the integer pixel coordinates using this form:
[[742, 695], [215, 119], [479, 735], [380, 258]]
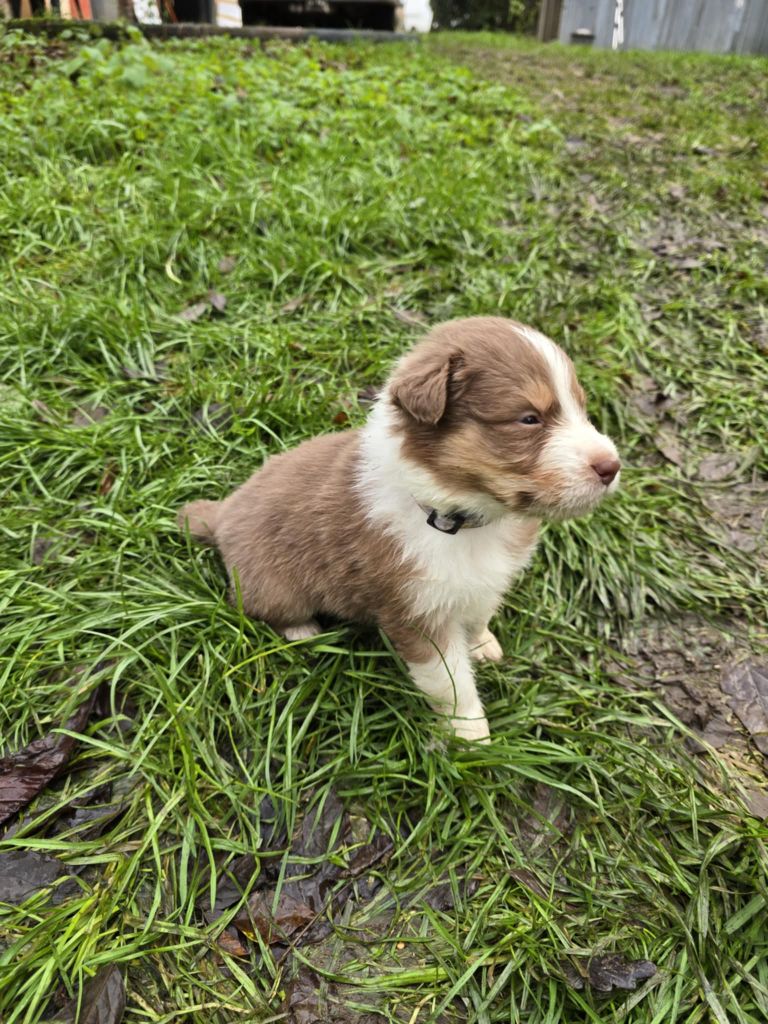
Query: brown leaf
[[607, 972], [747, 688], [43, 410], [108, 478], [340, 418], [218, 301], [529, 880], [293, 304], [649, 399], [303, 1003], [41, 549], [24, 872], [409, 318], [215, 415], [226, 264], [613, 970], [25, 772], [230, 943], [155, 372], [757, 802], [86, 415], [194, 312], [718, 466], [366, 856], [289, 916], [717, 732], [671, 447], [103, 1000]]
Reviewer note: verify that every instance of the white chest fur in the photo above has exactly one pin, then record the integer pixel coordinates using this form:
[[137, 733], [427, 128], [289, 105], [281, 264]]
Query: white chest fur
[[465, 575], [460, 576]]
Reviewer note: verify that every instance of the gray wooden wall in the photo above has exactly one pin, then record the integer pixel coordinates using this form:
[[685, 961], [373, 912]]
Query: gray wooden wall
[[716, 26]]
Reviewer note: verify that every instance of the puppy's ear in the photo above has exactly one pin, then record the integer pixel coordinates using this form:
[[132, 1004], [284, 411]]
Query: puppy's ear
[[424, 382]]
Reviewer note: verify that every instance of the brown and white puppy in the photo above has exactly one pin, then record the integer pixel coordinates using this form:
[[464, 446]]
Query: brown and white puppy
[[419, 520]]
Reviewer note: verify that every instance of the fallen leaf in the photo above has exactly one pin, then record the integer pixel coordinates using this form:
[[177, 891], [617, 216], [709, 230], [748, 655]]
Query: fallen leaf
[[757, 802], [226, 264], [194, 312], [24, 773], [747, 688], [155, 372], [86, 415], [24, 872], [718, 466], [103, 1000], [289, 916], [742, 513], [571, 975], [648, 398], [677, 192], [218, 301], [405, 316], [88, 822], [717, 732], [214, 415], [231, 885], [341, 418], [529, 880], [671, 447], [41, 549], [43, 410], [366, 856], [230, 943], [108, 478], [317, 827], [607, 972], [303, 1003], [293, 304], [613, 970]]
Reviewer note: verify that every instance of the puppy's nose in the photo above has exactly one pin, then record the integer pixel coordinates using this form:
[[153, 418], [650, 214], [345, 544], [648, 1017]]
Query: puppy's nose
[[607, 469]]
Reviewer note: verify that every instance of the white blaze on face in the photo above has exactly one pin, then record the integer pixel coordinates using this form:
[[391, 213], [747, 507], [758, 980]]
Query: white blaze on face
[[574, 445]]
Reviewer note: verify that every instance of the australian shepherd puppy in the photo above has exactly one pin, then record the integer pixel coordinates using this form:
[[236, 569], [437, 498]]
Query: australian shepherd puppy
[[418, 521]]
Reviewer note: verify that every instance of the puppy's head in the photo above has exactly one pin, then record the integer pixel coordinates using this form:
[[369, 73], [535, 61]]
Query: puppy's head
[[488, 406]]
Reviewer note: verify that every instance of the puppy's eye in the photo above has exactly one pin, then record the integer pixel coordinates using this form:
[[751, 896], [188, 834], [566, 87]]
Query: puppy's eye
[[530, 419]]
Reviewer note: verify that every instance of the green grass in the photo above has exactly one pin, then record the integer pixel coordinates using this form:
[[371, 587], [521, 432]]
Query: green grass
[[362, 181]]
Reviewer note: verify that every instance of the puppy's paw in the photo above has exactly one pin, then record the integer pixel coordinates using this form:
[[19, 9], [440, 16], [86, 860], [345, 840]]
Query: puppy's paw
[[303, 631], [474, 730], [486, 647]]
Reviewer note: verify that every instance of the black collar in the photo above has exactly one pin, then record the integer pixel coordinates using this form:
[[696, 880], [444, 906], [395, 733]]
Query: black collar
[[451, 522]]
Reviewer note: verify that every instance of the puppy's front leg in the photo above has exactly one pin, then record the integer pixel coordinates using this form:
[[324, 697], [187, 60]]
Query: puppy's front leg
[[483, 645], [442, 669]]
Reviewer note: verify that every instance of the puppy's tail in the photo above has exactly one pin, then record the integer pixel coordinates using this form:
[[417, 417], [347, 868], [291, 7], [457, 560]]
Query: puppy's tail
[[201, 518]]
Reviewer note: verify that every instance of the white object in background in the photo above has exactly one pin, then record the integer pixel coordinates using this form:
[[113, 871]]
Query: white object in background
[[229, 13], [617, 40], [146, 12], [417, 15]]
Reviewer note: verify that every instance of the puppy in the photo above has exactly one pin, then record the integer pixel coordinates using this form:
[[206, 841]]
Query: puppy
[[418, 521]]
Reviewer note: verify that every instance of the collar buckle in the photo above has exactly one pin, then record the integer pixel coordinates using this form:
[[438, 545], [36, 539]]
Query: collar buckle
[[446, 524]]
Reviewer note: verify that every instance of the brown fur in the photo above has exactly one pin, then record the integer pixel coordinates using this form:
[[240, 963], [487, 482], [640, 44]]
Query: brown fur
[[480, 376], [296, 542]]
